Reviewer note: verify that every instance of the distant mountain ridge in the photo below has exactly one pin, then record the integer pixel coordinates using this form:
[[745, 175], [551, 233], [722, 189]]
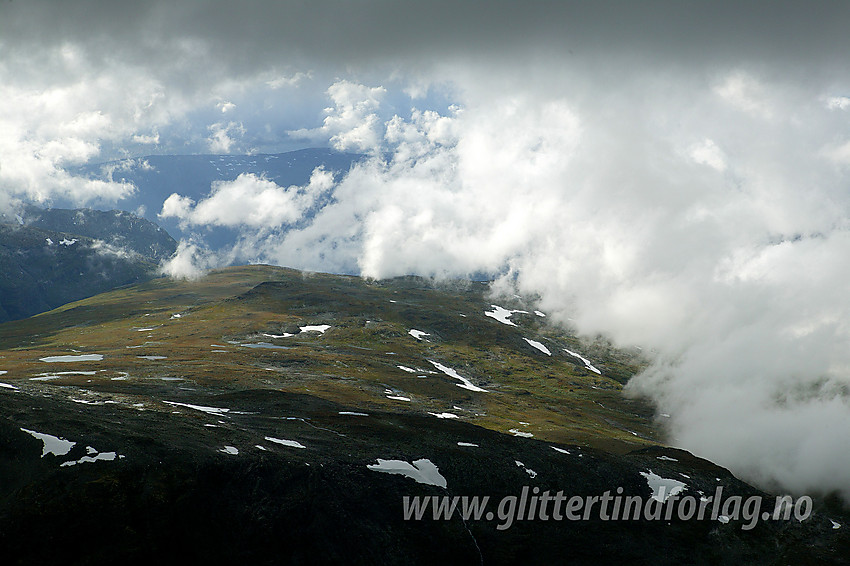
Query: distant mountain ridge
[[156, 177], [49, 257], [116, 247]]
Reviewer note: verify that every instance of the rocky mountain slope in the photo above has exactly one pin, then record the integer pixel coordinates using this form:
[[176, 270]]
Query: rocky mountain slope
[[116, 228], [263, 415]]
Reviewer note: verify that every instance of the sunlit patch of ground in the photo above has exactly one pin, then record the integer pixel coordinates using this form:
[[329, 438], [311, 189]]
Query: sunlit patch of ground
[[341, 339]]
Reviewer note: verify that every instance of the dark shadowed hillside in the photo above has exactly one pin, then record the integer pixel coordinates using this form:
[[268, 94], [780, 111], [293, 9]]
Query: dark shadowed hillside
[[51, 257]]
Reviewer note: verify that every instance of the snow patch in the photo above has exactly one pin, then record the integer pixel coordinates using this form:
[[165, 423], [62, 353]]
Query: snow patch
[[465, 383], [422, 470], [520, 433], [87, 402], [320, 328], [662, 488], [52, 444], [531, 473], [586, 362], [502, 315], [282, 442], [92, 456], [232, 450], [208, 410], [418, 334], [539, 346]]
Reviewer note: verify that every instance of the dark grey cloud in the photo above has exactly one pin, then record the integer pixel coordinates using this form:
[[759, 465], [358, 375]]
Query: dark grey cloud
[[248, 34]]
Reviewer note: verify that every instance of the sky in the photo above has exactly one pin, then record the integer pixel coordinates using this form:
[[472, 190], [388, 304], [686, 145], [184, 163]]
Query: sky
[[671, 175]]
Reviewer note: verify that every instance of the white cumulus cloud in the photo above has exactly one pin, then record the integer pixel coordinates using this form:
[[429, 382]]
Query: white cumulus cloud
[[249, 200], [223, 136], [352, 123]]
